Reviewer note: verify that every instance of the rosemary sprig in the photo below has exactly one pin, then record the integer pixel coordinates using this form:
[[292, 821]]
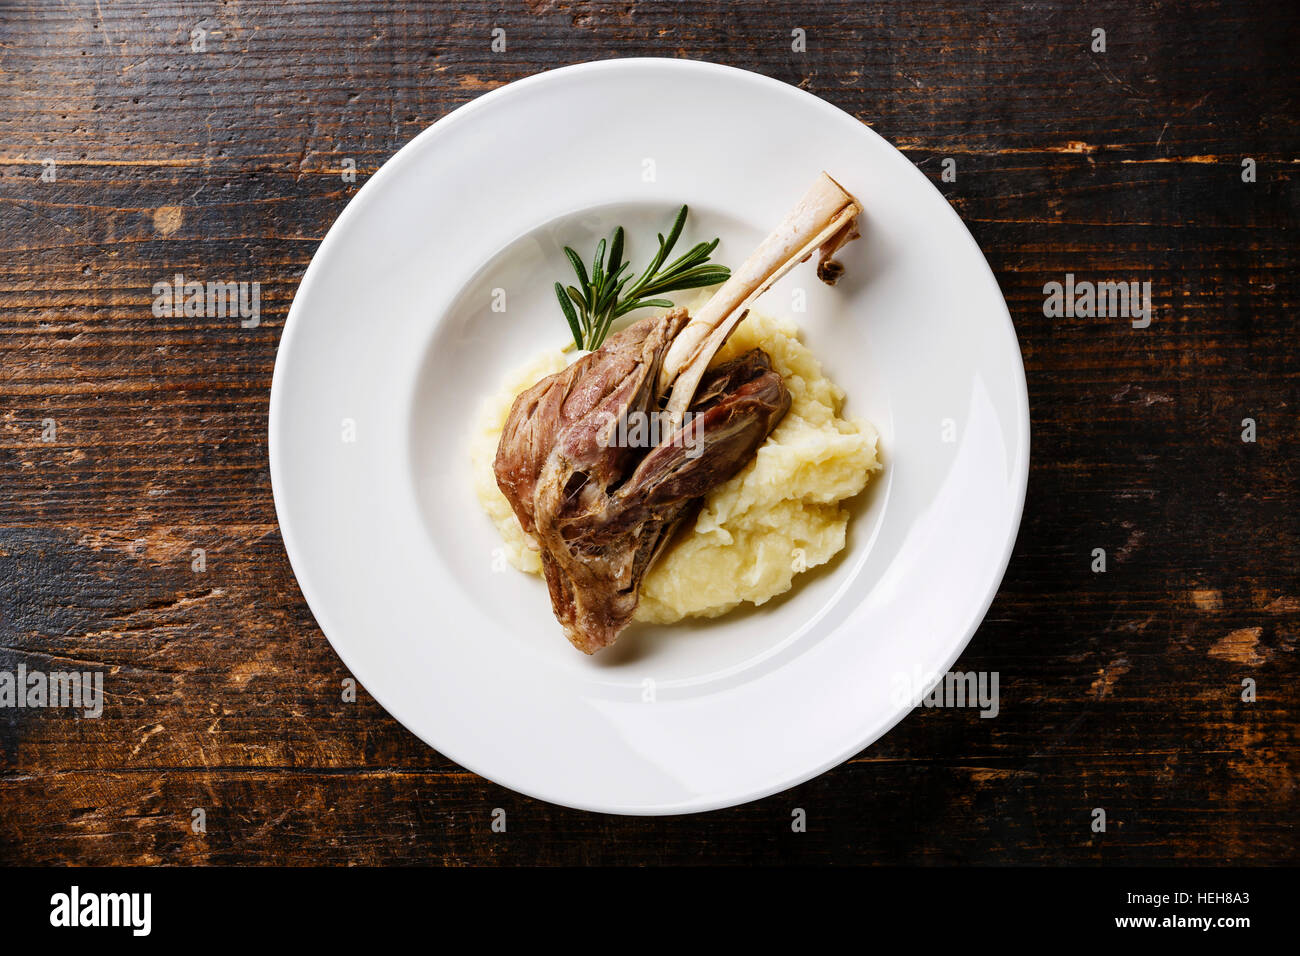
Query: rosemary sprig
[[610, 291]]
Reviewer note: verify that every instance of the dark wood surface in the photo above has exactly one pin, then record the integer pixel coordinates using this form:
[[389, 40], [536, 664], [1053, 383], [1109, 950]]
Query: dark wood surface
[[1120, 690]]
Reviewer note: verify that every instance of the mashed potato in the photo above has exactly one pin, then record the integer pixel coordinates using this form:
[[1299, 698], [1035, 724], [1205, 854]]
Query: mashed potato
[[778, 517]]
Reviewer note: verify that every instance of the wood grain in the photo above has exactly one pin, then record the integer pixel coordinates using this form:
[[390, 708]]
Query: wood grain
[[1119, 690]]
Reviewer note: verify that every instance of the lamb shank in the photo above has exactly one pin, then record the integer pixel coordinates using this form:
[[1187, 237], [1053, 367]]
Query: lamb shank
[[602, 508]]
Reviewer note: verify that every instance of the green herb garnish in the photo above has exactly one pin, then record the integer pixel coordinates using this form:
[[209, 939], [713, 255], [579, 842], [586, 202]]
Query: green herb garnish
[[592, 306]]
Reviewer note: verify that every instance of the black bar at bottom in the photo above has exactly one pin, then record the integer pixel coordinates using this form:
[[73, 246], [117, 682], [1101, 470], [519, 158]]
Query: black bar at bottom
[[273, 904]]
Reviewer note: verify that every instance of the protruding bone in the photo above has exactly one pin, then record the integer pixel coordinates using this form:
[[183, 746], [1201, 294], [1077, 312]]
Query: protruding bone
[[825, 217]]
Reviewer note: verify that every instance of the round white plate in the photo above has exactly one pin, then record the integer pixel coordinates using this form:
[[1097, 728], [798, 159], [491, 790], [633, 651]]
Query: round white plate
[[392, 344]]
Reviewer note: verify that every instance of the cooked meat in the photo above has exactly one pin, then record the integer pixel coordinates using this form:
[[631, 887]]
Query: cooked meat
[[580, 406], [601, 510]]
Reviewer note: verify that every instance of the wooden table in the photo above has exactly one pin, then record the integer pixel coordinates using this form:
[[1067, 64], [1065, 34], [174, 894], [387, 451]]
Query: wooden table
[[128, 441]]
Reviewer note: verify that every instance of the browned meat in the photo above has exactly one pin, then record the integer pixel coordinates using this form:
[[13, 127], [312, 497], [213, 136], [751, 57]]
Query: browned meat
[[601, 509]]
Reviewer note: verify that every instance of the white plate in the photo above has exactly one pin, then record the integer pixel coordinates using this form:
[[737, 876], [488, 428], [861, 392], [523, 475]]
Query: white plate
[[392, 330]]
